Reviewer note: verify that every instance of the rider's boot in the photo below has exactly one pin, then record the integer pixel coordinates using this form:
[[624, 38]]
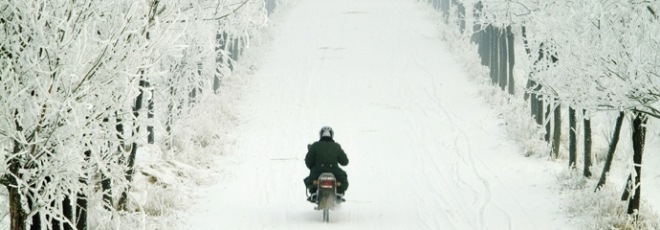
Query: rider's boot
[[340, 197], [312, 198]]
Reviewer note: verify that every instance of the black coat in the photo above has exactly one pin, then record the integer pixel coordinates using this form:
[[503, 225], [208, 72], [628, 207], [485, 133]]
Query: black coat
[[325, 154]]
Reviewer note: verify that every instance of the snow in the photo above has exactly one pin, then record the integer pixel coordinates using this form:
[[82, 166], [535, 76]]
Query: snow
[[430, 146], [426, 151]]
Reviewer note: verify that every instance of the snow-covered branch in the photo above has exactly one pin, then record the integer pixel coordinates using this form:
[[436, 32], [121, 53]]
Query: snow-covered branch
[[69, 74]]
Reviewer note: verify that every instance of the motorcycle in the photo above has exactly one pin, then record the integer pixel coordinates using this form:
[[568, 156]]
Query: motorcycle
[[326, 197]]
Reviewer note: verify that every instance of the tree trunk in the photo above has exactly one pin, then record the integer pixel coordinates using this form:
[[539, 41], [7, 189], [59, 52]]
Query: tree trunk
[[216, 82], [511, 60], [476, 26], [525, 41], [123, 200], [494, 55], [232, 52], [106, 186], [461, 15], [488, 43], [270, 6], [503, 60], [220, 39], [192, 96], [587, 147], [556, 130], [17, 215], [610, 151], [548, 122], [237, 48], [171, 105], [638, 138], [480, 38], [81, 201], [106, 181], [572, 138], [483, 46], [68, 212], [535, 102], [74, 214], [150, 114], [445, 9]]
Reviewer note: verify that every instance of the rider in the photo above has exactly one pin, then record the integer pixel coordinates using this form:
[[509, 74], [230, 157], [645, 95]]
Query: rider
[[326, 155]]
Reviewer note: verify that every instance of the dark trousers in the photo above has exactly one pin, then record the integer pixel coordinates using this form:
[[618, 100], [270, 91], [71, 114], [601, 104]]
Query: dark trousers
[[340, 175]]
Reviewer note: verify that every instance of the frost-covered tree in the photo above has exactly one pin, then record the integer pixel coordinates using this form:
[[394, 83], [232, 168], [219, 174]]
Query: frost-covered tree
[[608, 58], [69, 70], [222, 30], [606, 71], [71, 73]]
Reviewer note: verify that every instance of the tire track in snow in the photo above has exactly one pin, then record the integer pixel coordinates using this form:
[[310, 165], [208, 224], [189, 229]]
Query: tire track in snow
[[430, 167], [464, 153], [468, 155], [426, 181]]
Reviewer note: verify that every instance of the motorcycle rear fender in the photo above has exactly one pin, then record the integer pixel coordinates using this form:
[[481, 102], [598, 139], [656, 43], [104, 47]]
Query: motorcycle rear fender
[[327, 176]]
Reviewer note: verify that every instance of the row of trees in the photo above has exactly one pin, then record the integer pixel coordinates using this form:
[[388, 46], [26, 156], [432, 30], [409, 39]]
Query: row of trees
[[81, 81], [587, 56]]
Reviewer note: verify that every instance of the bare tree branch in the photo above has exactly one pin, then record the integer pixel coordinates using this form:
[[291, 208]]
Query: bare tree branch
[[227, 15]]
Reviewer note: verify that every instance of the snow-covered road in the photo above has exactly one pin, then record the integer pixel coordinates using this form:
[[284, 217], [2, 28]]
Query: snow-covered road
[[425, 151]]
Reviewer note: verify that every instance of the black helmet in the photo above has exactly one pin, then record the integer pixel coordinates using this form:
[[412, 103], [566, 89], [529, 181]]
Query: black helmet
[[326, 131]]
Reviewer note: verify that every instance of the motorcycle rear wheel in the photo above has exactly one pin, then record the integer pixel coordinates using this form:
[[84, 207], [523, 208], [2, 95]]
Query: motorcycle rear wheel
[[326, 215]]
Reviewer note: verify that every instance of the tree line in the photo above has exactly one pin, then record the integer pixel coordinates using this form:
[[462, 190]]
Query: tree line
[[84, 83], [587, 57]]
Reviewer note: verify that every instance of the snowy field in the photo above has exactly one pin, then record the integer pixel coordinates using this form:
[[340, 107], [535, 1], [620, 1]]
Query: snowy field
[[430, 145]]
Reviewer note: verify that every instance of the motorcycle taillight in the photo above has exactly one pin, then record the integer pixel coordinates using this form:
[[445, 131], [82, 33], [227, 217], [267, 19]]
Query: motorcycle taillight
[[326, 183]]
